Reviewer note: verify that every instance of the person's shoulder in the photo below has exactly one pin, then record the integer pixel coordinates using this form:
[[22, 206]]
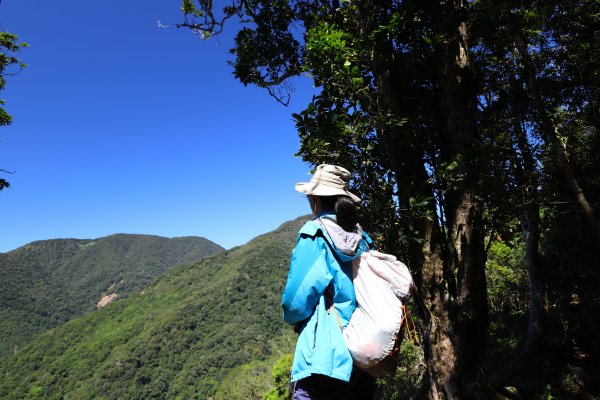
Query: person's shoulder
[[310, 228]]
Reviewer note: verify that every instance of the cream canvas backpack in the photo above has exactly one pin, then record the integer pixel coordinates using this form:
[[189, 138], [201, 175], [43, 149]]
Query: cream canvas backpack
[[382, 285]]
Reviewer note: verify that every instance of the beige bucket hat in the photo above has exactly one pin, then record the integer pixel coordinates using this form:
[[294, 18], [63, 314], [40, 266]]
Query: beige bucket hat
[[328, 180]]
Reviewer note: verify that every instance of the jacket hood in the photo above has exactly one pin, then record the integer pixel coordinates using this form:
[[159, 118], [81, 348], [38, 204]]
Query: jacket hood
[[348, 245]]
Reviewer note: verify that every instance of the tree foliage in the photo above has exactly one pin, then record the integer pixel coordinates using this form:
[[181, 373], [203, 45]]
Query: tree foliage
[[9, 65], [9, 46]]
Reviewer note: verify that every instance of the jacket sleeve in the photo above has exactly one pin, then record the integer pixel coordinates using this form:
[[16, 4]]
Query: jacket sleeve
[[308, 277]]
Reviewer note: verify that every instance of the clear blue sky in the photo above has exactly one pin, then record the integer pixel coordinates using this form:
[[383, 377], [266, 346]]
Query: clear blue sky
[[120, 126]]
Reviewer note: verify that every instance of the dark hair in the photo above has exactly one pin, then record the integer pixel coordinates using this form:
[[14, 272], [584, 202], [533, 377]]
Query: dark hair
[[345, 210]]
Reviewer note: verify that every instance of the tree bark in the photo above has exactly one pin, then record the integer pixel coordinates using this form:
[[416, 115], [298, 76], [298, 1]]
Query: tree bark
[[451, 265], [463, 341]]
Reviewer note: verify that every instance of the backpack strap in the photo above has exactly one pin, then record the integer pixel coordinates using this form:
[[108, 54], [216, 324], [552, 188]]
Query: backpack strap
[[408, 324]]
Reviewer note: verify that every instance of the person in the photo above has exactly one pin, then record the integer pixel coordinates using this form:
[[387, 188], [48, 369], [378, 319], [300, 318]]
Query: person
[[320, 281]]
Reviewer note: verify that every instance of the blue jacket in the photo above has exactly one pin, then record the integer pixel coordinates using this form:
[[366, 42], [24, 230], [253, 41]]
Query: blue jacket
[[316, 263]]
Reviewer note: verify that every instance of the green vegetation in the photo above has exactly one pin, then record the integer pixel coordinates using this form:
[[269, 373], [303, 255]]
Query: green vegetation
[[9, 46], [47, 283], [260, 380], [214, 329], [462, 121], [180, 337], [406, 381], [566, 366], [281, 379]]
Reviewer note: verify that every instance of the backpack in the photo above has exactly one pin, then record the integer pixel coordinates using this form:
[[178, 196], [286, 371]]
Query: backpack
[[382, 285]]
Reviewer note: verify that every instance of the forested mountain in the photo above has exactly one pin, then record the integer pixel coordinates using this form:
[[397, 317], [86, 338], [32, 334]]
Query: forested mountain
[[46, 283], [177, 338]]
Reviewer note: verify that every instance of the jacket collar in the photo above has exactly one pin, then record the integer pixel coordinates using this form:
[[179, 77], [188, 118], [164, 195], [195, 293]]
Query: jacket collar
[[348, 245]]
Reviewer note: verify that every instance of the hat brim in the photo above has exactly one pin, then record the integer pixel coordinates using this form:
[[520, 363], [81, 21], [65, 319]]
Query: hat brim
[[316, 189]]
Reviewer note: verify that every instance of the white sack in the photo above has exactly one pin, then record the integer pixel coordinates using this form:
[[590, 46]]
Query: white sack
[[380, 281], [392, 271]]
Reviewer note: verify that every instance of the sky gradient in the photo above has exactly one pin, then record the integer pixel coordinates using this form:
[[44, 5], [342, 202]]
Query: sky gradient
[[120, 126]]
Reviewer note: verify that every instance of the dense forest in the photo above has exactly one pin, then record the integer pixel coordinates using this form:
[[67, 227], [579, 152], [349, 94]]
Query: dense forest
[[49, 282], [472, 131], [193, 330]]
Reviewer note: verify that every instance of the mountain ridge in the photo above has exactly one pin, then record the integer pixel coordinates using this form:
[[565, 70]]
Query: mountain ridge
[[118, 234], [47, 282]]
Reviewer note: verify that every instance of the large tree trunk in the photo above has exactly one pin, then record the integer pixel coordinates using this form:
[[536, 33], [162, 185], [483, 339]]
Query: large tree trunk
[[451, 261], [459, 343]]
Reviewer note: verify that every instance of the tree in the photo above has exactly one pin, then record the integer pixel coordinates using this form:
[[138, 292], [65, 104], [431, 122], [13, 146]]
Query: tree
[[372, 61], [537, 99], [505, 113], [9, 46]]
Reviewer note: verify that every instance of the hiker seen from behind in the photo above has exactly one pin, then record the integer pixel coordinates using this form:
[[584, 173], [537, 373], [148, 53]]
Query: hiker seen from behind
[[319, 297]]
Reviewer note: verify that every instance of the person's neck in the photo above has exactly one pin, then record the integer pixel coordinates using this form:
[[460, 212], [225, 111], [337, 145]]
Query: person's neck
[[323, 213]]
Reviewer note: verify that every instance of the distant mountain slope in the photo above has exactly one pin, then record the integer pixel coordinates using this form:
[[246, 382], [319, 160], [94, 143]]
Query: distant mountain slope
[[46, 283], [177, 339]]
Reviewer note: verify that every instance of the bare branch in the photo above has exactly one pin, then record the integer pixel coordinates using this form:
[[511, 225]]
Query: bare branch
[[278, 95], [290, 72]]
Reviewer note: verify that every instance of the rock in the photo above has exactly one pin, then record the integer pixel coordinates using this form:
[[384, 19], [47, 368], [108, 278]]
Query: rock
[[106, 299]]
